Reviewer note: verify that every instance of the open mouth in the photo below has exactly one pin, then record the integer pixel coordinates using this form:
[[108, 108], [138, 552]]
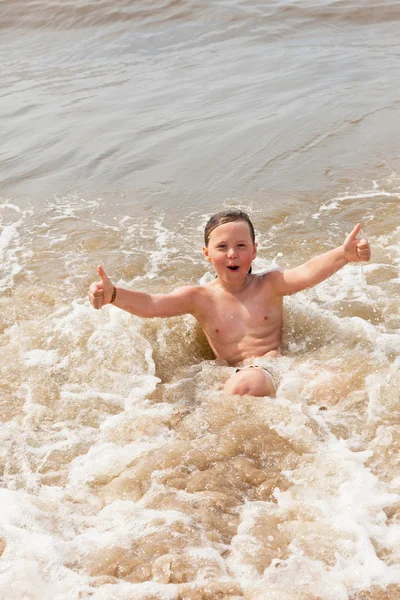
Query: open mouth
[[233, 268]]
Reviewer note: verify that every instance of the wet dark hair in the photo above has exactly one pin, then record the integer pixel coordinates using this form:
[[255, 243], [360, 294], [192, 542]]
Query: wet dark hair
[[227, 216]]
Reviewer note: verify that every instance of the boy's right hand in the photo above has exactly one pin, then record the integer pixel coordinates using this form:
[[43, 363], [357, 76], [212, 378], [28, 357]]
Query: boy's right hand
[[100, 292]]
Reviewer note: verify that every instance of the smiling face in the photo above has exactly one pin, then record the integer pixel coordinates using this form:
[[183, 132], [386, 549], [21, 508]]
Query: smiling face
[[231, 251]]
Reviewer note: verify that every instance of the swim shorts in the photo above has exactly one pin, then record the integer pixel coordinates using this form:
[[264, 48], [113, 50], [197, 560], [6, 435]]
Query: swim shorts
[[269, 365]]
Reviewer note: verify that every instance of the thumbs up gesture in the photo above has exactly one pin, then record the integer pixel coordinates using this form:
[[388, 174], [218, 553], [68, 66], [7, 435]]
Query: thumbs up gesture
[[356, 249], [100, 292]]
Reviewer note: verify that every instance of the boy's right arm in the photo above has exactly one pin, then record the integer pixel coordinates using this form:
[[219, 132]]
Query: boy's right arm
[[179, 302]]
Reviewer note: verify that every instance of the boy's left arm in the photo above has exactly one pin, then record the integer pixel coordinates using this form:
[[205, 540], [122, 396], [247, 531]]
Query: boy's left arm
[[323, 266]]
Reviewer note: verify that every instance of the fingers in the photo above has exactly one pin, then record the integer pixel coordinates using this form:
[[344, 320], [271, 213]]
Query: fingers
[[363, 250], [96, 295], [356, 249], [100, 292], [96, 290]]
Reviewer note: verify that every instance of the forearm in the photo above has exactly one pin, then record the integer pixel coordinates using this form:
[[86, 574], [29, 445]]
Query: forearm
[[136, 303], [321, 267], [310, 273], [179, 302]]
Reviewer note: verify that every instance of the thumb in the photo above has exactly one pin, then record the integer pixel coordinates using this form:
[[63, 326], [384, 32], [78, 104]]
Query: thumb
[[353, 234], [103, 275]]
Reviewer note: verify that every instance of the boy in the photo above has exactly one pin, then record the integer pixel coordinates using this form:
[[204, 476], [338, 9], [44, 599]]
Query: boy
[[240, 313]]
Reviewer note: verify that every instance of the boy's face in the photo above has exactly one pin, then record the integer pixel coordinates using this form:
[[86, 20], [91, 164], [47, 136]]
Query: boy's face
[[231, 250]]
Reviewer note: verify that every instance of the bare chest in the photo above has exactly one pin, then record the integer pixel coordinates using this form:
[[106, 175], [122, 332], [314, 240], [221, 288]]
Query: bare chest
[[232, 318]]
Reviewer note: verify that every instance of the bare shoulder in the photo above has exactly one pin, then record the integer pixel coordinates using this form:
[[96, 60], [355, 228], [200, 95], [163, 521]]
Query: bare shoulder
[[192, 291], [270, 283], [202, 293], [187, 293], [269, 279], [204, 296], [191, 296]]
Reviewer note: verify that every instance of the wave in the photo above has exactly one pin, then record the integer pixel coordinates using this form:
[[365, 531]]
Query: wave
[[73, 14]]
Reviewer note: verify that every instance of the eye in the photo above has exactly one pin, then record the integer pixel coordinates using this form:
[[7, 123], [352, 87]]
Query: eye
[[242, 245], [221, 246]]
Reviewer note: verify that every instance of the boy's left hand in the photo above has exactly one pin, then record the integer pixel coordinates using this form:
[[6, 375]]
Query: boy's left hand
[[355, 249]]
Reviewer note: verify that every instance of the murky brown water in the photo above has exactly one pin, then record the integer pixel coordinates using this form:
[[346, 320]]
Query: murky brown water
[[126, 472]]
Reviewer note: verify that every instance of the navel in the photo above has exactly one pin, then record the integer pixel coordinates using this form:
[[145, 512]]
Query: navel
[[217, 331], [265, 318]]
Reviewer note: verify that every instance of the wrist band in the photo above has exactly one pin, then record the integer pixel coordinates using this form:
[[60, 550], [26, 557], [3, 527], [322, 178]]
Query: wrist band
[[114, 294]]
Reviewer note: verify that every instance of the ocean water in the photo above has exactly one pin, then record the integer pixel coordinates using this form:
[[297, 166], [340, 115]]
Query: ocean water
[[126, 472]]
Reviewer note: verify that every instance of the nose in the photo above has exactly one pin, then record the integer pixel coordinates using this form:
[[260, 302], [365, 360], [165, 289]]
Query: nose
[[231, 253]]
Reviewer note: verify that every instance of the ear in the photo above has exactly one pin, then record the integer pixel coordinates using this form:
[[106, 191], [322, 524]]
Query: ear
[[255, 250], [206, 255]]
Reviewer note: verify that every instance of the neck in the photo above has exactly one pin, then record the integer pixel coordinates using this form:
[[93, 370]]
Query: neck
[[237, 287]]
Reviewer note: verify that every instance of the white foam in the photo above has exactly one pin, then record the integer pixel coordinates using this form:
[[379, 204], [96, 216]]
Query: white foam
[[351, 499], [286, 579], [161, 252], [9, 240], [207, 278], [136, 591], [8, 233], [33, 557], [361, 195], [334, 205], [40, 358], [345, 496], [96, 464], [8, 204]]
